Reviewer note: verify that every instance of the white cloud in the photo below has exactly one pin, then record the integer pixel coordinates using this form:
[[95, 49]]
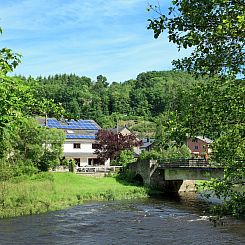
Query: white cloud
[[84, 37], [46, 14]]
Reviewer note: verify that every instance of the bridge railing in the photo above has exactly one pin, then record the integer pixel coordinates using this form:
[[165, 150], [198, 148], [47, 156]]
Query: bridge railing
[[185, 162]]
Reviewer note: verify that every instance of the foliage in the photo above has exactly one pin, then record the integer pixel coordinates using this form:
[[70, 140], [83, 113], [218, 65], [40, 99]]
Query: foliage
[[53, 140], [22, 139], [124, 158], [34, 147], [5, 171], [83, 98], [110, 144], [5, 175], [215, 108], [143, 128], [15, 102], [215, 30], [172, 152], [229, 149], [8, 60], [150, 155]]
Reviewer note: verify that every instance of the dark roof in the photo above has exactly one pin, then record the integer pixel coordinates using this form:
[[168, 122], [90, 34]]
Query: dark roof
[[147, 142]]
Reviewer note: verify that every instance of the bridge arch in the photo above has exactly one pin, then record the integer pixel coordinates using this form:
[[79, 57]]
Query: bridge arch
[[138, 179]]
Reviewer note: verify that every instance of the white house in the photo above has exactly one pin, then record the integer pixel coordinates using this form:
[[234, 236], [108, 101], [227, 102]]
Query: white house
[[80, 140]]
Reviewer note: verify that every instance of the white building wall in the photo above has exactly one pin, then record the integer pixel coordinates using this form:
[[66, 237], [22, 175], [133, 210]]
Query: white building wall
[[84, 153], [85, 147], [107, 163], [83, 161]]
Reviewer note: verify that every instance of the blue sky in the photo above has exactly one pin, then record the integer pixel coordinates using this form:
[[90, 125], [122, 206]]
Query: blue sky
[[85, 37]]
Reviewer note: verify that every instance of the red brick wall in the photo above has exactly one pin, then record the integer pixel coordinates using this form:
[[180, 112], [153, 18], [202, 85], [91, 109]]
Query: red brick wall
[[198, 147]]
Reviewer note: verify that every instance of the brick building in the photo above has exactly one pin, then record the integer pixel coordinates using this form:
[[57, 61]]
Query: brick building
[[199, 146]]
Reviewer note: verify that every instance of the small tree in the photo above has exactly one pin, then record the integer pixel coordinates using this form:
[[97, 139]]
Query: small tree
[[111, 144], [124, 158], [32, 146]]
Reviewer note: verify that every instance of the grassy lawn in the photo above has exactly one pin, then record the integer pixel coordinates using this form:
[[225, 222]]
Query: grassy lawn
[[53, 191]]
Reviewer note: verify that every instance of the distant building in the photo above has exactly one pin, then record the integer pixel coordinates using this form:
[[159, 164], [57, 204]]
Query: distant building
[[80, 140], [147, 144], [121, 130], [199, 146]]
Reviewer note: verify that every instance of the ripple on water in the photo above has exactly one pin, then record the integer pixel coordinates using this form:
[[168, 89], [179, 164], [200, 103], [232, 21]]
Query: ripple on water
[[125, 222]]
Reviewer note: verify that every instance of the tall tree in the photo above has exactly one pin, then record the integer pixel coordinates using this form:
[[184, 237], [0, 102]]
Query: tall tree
[[18, 101], [215, 31]]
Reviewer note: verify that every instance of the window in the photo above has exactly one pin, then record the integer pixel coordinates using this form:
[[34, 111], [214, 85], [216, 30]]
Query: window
[[76, 145], [95, 146], [196, 147]]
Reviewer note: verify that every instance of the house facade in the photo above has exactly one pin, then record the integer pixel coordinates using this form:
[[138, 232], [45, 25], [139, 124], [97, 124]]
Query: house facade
[[199, 146], [80, 140]]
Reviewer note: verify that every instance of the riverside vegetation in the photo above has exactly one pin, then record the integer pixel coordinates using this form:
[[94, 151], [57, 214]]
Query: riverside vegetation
[[43, 192]]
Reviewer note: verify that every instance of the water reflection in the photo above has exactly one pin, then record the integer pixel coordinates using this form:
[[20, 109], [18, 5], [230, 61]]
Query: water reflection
[[175, 220]]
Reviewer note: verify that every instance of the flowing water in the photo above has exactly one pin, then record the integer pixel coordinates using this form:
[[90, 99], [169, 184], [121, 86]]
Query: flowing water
[[178, 220]]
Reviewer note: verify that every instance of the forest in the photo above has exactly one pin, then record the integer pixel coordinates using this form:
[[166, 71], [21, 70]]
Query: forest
[[137, 103]]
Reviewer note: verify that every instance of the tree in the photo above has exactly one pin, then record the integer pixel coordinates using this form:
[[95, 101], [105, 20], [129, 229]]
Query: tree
[[52, 142], [172, 152], [215, 30], [111, 144], [33, 147], [124, 158], [21, 140], [8, 59]]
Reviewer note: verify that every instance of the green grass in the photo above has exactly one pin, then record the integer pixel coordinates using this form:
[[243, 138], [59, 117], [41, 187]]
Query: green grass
[[53, 191]]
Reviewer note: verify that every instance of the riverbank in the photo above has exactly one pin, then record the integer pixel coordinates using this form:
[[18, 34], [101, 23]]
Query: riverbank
[[54, 191]]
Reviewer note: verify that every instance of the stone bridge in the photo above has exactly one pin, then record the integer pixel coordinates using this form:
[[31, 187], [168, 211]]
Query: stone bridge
[[169, 176]]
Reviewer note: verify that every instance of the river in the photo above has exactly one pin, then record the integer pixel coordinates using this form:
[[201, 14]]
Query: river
[[158, 221]]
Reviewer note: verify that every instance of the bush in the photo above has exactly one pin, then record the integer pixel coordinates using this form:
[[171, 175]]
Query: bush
[[125, 157], [172, 152], [26, 168]]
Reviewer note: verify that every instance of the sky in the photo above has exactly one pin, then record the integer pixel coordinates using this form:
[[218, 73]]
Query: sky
[[85, 37]]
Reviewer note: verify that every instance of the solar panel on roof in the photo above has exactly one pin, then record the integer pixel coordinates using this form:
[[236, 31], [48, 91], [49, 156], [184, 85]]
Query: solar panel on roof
[[79, 136], [72, 124]]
